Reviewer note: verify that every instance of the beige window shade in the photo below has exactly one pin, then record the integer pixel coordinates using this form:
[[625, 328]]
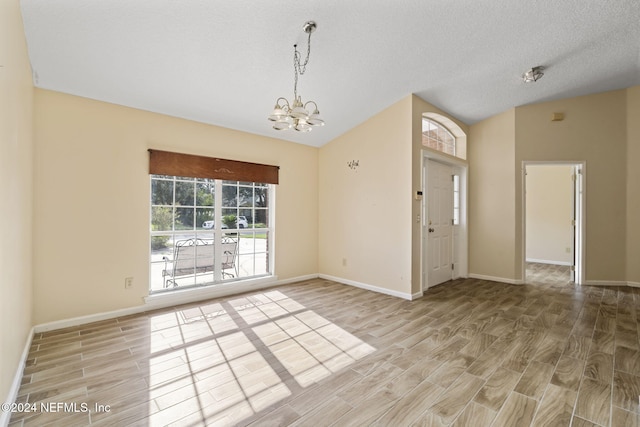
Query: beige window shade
[[177, 164]]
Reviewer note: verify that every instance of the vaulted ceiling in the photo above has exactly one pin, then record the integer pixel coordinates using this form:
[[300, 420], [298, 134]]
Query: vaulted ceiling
[[226, 62]]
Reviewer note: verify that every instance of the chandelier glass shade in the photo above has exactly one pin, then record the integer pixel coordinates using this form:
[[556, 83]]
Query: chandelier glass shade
[[297, 115], [533, 75]]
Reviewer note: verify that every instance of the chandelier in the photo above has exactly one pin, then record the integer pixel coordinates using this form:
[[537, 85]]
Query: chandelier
[[295, 115], [533, 75]]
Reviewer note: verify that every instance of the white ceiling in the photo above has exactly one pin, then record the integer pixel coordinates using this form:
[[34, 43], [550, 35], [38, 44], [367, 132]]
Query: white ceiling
[[226, 62]]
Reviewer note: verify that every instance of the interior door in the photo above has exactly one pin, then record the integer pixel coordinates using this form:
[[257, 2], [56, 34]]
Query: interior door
[[578, 218], [574, 211], [439, 222]]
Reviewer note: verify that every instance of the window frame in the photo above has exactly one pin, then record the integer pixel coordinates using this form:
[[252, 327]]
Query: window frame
[[440, 143], [156, 265], [456, 199]]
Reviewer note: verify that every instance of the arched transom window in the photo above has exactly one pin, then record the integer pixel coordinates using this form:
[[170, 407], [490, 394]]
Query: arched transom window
[[437, 137]]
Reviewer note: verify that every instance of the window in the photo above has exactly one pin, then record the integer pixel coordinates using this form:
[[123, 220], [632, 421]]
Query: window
[[247, 203], [437, 137], [456, 199], [205, 230]]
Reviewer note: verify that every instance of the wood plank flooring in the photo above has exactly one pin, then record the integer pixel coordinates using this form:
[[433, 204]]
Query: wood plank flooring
[[469, 353]]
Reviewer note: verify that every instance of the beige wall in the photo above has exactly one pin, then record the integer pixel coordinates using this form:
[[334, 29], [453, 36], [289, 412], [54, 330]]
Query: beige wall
[[365, 213], [16, 157], [492, 197], [594, 130], [549, 213], [92, 199], [633, 185]]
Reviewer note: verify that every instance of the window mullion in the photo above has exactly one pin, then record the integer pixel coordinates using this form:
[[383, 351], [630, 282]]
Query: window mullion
[[173, 209], [217, 232]]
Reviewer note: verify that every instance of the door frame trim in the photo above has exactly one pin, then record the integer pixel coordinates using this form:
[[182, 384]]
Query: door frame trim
[[460, 166], [580, 232]]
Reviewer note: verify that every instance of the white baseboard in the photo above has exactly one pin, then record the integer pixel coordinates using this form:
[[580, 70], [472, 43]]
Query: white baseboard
[[496, 279], [373, 288], [586, 283], [547, 261], [606, 283], [298, 279], [90, 318], [5, 416], [169, 299]]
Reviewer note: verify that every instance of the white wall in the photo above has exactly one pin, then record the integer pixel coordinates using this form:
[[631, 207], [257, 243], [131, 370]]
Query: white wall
[[549, 214]]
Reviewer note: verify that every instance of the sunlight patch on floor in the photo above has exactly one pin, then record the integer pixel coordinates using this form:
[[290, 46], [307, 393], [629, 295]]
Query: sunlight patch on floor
[[234, 359]]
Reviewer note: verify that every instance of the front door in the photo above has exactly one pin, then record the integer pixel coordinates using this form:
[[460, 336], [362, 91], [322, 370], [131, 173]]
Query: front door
[[439, 222]]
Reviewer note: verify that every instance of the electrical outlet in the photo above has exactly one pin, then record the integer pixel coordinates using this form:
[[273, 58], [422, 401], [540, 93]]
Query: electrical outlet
[[128, 282]]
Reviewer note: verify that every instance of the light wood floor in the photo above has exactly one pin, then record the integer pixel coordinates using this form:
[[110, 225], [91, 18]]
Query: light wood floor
[[470, 352], [547, 274]]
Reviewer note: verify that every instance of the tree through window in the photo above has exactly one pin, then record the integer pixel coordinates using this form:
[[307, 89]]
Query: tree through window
[[206, 228]]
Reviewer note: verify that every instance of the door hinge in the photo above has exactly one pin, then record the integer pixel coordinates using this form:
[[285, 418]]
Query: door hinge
[[573, 222], [452, 223], [453, 178], [452, 266], [573, 268], [573, 177]]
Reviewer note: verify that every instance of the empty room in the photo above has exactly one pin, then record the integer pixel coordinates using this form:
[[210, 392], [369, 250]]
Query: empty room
[[275, 213]]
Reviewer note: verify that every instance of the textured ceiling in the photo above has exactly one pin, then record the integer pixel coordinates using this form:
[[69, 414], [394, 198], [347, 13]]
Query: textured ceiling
[[226, 62]]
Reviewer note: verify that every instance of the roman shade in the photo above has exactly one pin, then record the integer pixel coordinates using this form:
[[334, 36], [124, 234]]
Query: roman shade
[[189, 165]]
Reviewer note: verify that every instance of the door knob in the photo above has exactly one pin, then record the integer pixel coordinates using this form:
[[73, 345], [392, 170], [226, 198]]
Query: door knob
[[431, 230]]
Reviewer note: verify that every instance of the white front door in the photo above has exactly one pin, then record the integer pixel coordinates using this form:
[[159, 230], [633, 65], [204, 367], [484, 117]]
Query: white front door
[[439, 222]]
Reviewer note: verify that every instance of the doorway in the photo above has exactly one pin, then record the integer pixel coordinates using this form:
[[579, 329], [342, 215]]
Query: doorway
[[444, 220], [553, 222]]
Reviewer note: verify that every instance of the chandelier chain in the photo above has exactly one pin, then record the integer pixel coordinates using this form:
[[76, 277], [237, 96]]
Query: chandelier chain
[[298, 68], [297, 115]]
